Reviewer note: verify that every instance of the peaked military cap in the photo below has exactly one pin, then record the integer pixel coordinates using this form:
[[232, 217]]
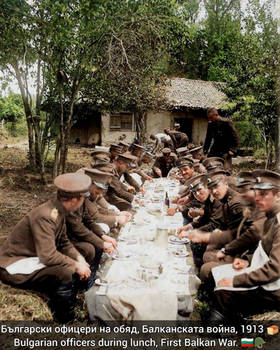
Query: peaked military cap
[[195, 150], [184, 162], [213, 163], [266, 179], [215, 177], [195, 181], [99, 178], [182, 150], [73, 184], [124, 144], [115, 147], [104, 166], [166, 151], [245, 178], [100, 155]]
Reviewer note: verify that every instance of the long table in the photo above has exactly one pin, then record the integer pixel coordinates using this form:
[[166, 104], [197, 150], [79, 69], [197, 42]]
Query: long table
[[150, 277]]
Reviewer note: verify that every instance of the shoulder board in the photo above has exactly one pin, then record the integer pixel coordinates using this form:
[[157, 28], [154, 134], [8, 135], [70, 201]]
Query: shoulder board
[[278, 217], [54, 213]]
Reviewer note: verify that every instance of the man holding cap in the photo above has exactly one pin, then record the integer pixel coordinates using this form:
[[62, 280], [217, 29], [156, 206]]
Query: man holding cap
[[165, 161], [262, 281], [38, 254]]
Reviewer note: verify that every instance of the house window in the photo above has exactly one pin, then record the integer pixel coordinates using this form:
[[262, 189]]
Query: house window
[[121, 121]]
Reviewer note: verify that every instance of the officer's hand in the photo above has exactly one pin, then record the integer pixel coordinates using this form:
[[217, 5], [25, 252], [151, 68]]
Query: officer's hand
[[225, 282], [230, 153], [110, 240], [108, 247], [149, 178], [175, 200], [142, 190], [122, 220], [158, 172], [240, 264], [82, 269], [183, 200], [184, 228], [131, 189], [171, 211], [221, 255]]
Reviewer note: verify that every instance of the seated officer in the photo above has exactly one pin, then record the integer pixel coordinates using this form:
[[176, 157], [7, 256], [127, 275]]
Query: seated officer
[[262, 281], [165, 161], [115, 150], [99, 187], [185, 166], [117, 193], [229, 212], [100, 156], [38, 254], [224, 246], [209, 218], [124, 146]]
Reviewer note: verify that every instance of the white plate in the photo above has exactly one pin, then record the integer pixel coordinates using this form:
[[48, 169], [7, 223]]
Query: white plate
[[181, 255], [176, 240], [121, 258], [99, 283]]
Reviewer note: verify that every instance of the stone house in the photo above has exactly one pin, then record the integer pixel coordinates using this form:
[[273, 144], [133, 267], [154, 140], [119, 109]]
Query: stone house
[[185, 101]]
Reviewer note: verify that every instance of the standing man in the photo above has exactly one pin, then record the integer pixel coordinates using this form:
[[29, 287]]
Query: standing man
[[223, 136], [38, 254]]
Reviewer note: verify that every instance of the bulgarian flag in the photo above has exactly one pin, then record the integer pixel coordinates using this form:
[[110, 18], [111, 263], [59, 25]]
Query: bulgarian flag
[[247, 342]]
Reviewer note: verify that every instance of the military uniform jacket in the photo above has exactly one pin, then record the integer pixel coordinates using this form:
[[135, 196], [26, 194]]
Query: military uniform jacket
[[179, 138], [41, 233], [212, 217], [165, 165], [232, 210], [248, 233], [118, 189], [224, 136], [82, 225], [270, 239], [101, 214], [242, 239]]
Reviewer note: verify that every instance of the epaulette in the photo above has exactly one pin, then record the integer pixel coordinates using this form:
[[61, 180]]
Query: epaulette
[[54, 213]]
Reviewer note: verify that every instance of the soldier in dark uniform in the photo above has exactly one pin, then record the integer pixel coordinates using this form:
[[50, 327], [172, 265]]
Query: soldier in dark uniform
[[124, 146], [262, 281], [115, 150], [117, 193], [165, 161], [231, 208], [209, 219], [224, 136], [38, 254], [224, 246], [100, 156], [180, 139]]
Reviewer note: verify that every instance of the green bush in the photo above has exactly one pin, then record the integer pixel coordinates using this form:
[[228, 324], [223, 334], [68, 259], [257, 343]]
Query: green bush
[[249, 135], [18, 128]]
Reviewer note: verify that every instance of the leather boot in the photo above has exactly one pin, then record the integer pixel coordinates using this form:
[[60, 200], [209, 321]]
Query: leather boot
[[63, 303], [94, 267]]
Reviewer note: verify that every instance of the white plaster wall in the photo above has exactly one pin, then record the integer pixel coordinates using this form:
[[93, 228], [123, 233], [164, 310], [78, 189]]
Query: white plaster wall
[[199, 130], [157, 121], [108, 137]]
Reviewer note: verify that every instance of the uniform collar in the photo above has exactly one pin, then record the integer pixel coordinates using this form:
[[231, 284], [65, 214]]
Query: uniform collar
[[59, 206], [225, 199], [273, 211]]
